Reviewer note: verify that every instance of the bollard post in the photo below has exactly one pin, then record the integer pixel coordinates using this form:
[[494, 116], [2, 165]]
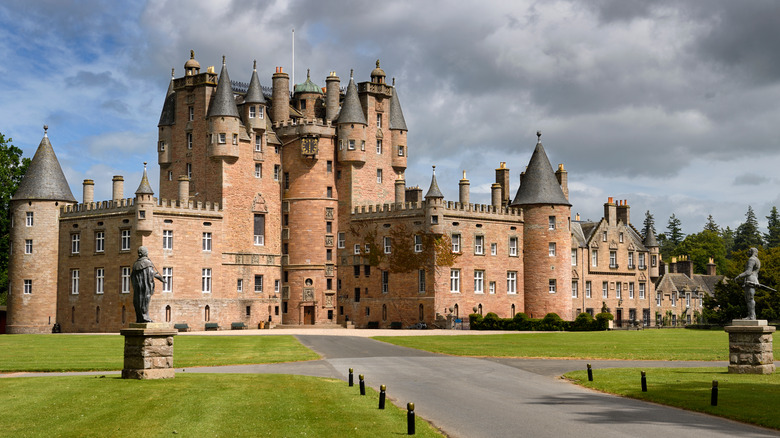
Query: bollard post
[[714, 396], [362, 385], [382, 396], [644, 382], [590, 373], [410, 418], [351, 382]]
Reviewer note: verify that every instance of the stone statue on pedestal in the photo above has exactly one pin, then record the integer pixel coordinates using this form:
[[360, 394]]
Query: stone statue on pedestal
[[142, 277]]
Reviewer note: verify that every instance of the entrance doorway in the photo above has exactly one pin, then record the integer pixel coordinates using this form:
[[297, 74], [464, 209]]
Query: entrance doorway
[[619, 317], [308, 315]]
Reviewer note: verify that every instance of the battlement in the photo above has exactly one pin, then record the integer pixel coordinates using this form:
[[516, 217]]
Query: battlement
[[192, 206], [450, 207], [299, 122], [128, 204]]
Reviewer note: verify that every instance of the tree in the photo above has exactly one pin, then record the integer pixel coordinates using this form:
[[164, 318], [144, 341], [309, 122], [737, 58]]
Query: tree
[[649, 224], [700, 247], [747, 235], [727, 235], [711, 225], [772, 238], [12, 169], [726, 303], [672, 237]]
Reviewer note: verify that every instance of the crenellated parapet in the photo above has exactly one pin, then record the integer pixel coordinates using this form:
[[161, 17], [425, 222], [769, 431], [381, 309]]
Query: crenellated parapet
[[301, 127], [449, 208], [128, 205]]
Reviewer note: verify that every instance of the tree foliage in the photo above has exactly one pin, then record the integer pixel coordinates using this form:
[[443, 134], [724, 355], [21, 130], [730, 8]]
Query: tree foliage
[[12, 169], [747, 235], [671, 238], [700, 247], [648, 224], [711, 225], [772, 237]]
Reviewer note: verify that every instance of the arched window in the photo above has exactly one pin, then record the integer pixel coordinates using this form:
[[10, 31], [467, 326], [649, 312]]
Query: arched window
[[97, 315], [167, 313], [479, 309], [207, 314], [456, 311], [422, 312], [513, 310], [124, 315], [384, 312]]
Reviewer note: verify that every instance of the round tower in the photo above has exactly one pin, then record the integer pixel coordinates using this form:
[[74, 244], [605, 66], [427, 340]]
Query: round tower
[[332, 94], [651, 244], [308, 98], [352, 127], [434, 206], [33, 262], [280, 98], [223, 119], [144, 206], [255, 104], [546, 239], [398, 133]]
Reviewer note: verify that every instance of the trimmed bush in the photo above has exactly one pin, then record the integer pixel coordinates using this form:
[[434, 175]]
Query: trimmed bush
[[553, 322], [602, 321], [584, 322]]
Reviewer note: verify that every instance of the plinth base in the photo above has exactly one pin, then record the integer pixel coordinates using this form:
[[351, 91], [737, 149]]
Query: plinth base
[[750, 347], [148, 351]]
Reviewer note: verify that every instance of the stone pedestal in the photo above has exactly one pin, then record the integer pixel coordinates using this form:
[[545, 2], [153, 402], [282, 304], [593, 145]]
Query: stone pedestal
[[750, 347], [148, 351]]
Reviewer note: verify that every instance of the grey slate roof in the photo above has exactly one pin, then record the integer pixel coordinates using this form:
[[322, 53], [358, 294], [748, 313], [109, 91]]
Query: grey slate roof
[[144, 188], [351, 111], [44, 179], [223, 103], [433, 191], [539, 185], [168, 115], [396, 115], [254, 94], [577, 235], [650, 240]]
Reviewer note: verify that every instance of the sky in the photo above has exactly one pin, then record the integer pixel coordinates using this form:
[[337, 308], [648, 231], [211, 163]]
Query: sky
[[670, 105]]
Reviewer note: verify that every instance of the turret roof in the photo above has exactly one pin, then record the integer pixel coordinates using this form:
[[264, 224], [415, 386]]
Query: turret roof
[[144, 188], [308, 86], [650, 240], [396, 115], [539, 184], [44, 179], [433, 191], [351, 110], [223, 103], [254, 94], [168, 115]]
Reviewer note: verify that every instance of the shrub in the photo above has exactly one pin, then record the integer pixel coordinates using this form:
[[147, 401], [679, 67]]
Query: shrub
[[602, 321], [553, 322], [584, 322], [491, 321], [521, 321], [475, 321]]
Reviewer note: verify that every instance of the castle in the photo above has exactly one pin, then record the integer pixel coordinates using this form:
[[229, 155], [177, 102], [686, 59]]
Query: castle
[[317, 176]]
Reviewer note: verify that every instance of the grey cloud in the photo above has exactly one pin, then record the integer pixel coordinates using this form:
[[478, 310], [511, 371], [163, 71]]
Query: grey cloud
[[750, 179]]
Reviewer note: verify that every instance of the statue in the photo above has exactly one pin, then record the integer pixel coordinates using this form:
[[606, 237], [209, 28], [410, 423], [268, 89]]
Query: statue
[[142, 277], [751, 282]]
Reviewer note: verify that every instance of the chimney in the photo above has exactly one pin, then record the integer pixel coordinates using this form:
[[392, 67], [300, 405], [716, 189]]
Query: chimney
[[332, 92], [502, 178], [118, 188], [89, 191], [563, 179], [610, 212], [280, 95], [414, 194], [711, 267], [400, 190], [623, 212], [463, 187], [684, 266], [184, 190], [495, 195]]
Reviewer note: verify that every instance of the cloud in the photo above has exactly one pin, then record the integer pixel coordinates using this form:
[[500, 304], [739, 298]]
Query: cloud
[[751, 179]]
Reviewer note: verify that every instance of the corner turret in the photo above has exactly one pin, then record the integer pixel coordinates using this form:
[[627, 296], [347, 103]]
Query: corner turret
[[434, 205], [223, 119], [164, 127], [144, 206], [254, 103], [398, 132], [352, 126]]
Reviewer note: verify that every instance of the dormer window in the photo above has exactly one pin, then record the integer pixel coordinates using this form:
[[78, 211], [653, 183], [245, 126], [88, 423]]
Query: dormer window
[[252, 112]]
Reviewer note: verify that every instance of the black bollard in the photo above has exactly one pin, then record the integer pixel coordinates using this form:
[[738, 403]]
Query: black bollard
[[590, 374], [644, 382], [351, 383], [714, 396], [382, 396], [410, 418], [362, 385]]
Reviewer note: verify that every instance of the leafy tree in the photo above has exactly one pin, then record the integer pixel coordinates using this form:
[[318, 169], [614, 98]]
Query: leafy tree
[[711, 225], [727, 235], [700, 247], [726, 304], [649, 223], [747, 235], [772, 238], [671, 238], [12, 169]]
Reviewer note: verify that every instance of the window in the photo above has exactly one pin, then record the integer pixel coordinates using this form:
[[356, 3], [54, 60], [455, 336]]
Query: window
[[205, 280], [379, 120], [27, 287], [551, 249], [356, 268], [162, 146], [641, 260], [604, 289], [240, 285], [341, 240], [259, 283], [75, 243], [511, 282], [259, 229], [688, 300], [29, 218], [551, 223], [100, 241], [379, 176], [222, 138], [329, 255], [125, 240], [658, 299], [277, 285], [168, 239], [167, 275], [260, 112], [235, 138], [258, 170], [362, 145], [329, 192], [455, 280], [594, 257], [74, 281], [191, 114], [170, 175], [367, 270], [434, 220], [552, 286], [479, 245], [189, 140], [386, 243], [252, 112], [125, 274], [418, 243], [574, 257], [492, 287], [400, 151], [641, 291], [207, 241], [28, 246], [588, 292], [189, 170], [356, 249], [513, 246], [653, 260], [456, 243], [385, 281], [574, 289], [277, 170], [619, 290], [479, 282], [620, 237], [493, 249], [613, 259], [379, 146], [603, 236], [630, 291], [351, 145], [99, 280], [421, 281], [631, 260], [674, 299]]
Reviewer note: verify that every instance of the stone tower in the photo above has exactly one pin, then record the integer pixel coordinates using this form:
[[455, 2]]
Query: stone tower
[[35, 208], [546, 238], [651, 244]]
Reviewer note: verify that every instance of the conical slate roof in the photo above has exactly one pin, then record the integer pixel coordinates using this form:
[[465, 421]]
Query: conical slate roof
[[44, 179], [539, 185], [254, 94], [351, 111], [144, 188], [223, 103], [396, 115], [168, 115], [650, 240], [433, 191]]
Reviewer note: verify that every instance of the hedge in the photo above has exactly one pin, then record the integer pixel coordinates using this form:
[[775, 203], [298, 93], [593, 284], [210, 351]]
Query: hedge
[[551, 322]]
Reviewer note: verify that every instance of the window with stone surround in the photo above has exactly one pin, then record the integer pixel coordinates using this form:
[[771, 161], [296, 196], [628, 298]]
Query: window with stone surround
[[551, 223], [479, 282], [252, 112], [235, 138], [75, 243], [385, 281], [492, 288], [27, 286], [631, 291], [479, 245], [258, 283], [259, 229], [418, 245], [222, 138], [594, 257], [100, 241], [619, 290], [341, 240], [493, 249], [189, 140], [641, 291], [125, 240], [379, 121], [74, 281], [258, 170], [400, 150], [574, 289], [125, 275], [511, 282], [206, 241], [513, 246], [100, 275], [379, 146], [167, 274], [588, 291], [641, 260], [258, 143], [552, 286], [239, 285], [456, 243], [421, 281], [205, 280], [351, 145], [455, 280], [630, 260], [28, 246], [604, 289], [387, 243], [260, 113], [167, 239], [613, 259], [551, 249], [189, 170], [191, 115], [379, 176], [277, 170], [29, 216]]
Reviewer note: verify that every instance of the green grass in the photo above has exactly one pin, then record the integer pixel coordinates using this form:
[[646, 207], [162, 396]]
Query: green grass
[[747, 398], [670, 344], [101, 353], [196, 405]]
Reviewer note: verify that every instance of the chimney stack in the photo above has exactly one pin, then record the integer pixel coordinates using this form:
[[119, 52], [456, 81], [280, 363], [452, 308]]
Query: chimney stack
[[495, 195], [610, 211], [563, 179], [400, 190], [118, 188], [463, 186], [711, 267], [502, 178], [623, 212], [89, 191], [184, 190]]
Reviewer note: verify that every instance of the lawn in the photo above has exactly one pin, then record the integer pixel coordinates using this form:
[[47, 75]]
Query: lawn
[[230, 405], [660, 344], [748, 398], [101, 353]]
